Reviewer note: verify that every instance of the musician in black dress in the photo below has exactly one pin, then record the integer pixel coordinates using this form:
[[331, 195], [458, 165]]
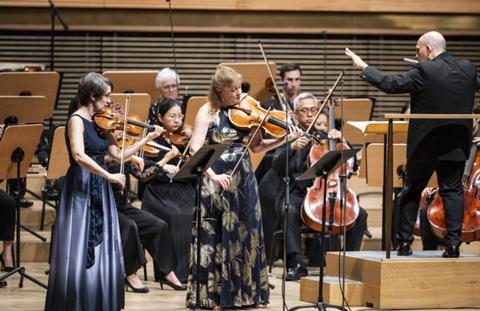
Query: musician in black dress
[[442, 84], [140, 229], [172, 201]]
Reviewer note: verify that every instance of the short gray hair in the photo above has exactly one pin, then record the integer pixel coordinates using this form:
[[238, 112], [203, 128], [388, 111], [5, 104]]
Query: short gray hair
[[164, 75], [302, 96]]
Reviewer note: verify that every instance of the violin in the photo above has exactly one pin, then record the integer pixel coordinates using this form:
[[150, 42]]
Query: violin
[[151, 149], [248, 113], [110, 120], [471, 207], [335, 207], [180, 137]]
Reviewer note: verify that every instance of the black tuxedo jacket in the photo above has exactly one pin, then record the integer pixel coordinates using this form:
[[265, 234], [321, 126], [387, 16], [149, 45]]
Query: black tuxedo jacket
[[443, 85]]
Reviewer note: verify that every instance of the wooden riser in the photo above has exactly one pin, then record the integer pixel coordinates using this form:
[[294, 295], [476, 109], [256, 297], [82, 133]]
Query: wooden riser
[[424, 280], [332, 293]]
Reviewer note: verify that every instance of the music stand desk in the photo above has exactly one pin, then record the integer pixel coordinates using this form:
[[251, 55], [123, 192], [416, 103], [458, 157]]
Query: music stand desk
[[139, 81], [17, 147], [26, 109], [40, 83], [139, 103]]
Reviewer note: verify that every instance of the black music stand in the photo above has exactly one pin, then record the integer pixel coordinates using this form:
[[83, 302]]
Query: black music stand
[[197, 165], [16, 152], [322, 168]]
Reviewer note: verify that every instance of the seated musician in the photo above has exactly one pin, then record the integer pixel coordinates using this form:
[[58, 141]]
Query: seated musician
[[305, 108], [166, 83], [172, 201], [139, 228]]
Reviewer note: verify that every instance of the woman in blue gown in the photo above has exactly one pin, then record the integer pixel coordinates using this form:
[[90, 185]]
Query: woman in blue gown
[[233, 267], [87, 270]]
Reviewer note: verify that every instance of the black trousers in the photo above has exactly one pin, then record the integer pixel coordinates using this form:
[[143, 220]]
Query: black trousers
[[353, 237], [7, 216], [449, 174], [137, 228], [429, 240]]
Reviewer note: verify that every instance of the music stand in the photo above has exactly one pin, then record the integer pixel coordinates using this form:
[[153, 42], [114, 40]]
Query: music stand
[[376, 131], [24, 109], [139, 103], [16, 152], [195, 168], [354, 109], [134, 81], [193, 105], [322, 168]]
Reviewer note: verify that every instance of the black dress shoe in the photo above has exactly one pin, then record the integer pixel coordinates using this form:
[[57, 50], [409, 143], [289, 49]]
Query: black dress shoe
[[179, 287], [404, 249], [142, 290], [2, 265], [296, 273], [24, 203], [451, 252], [3, 283]]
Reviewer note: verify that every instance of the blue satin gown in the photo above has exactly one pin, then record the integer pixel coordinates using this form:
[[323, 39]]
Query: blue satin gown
[[86, 270]]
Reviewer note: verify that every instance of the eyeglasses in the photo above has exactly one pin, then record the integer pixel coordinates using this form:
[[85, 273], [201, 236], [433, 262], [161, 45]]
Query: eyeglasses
[[175, 116], [170, 87], [312, 110]]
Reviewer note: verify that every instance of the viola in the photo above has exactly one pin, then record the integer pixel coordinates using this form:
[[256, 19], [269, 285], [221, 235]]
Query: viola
[[248, 113], [110, 120], [335, 207], [471, 207]]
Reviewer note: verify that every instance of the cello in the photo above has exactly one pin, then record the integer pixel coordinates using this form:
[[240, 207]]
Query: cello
[[336, 204], [471, 207]]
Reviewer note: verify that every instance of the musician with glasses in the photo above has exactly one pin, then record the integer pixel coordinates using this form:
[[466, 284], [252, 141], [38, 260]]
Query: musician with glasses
[[305, 109]]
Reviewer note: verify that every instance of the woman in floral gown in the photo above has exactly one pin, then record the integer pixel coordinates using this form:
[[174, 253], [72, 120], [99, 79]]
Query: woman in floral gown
[[233, 267]]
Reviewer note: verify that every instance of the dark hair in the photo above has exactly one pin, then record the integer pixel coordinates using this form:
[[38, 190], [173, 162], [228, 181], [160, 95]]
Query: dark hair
[[476, 108], [165, 105], [74, 105], [91, 85], [287, 68]]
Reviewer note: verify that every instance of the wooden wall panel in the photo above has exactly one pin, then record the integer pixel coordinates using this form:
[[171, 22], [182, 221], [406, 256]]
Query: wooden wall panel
[[385, 6], [197, 55]]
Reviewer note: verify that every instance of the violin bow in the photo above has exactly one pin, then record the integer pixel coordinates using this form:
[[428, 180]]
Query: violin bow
[[325, 101], [281, 99], [250, 141], [124, 136]]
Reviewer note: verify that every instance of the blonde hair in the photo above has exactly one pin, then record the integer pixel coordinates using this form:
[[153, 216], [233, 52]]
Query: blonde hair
[[224, 77]]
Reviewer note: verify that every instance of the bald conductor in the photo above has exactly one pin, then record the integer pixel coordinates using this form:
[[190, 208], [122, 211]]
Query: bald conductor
[[438, 83]]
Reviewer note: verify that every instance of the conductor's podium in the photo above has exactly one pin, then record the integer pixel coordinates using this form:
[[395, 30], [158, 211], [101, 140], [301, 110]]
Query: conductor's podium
[[423, 280]]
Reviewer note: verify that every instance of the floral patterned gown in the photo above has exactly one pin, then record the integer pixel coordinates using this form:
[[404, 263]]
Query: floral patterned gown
[[233, 268]]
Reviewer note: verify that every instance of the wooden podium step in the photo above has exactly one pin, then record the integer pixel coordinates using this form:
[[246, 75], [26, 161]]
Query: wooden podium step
[[332, 293], [423, 280]]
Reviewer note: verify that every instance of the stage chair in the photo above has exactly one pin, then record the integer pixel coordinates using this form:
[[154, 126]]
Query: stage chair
[[58, 163]]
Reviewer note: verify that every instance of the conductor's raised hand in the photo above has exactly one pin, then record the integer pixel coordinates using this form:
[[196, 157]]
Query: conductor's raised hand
[[118, 179], [358, 63]]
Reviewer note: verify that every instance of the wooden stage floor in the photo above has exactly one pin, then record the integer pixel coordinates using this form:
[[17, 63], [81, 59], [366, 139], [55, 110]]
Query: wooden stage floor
[[32, 297]]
